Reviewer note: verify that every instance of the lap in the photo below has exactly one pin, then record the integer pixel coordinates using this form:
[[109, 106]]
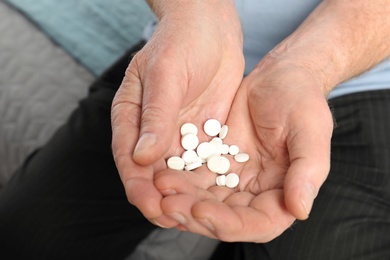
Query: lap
[[67, 200], [350, 218]]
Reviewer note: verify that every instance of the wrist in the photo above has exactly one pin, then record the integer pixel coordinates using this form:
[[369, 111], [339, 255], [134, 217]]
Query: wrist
[[200, 18]]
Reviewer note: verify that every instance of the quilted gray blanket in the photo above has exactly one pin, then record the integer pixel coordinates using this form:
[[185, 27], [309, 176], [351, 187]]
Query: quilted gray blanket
[[40, 84], [50, 51]]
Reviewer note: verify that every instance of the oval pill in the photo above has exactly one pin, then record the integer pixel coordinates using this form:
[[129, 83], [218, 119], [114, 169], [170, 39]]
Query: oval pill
[[223, 132], [232, 180], [212, 127], [241, 157], [189, 141], [188, 128], [175, 163], [220, 180], [193, 166]]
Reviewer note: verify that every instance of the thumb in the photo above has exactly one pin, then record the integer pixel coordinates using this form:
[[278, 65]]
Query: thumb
[[310, 164], [161, 104]]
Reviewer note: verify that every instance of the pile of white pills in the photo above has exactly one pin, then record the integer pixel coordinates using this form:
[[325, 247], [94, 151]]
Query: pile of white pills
[[209, 153]]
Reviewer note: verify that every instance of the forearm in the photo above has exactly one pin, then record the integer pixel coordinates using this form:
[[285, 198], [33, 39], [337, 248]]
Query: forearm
[[339, 40], [190, 7], [202, 22]]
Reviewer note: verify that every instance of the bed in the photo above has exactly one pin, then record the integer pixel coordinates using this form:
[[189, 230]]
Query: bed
[[50, 52]]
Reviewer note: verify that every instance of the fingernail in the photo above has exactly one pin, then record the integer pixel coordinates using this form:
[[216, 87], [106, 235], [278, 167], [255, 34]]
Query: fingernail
[[168, 192], [154, 221], [207, 224], [146, 141], [178, 217], [307, 198]]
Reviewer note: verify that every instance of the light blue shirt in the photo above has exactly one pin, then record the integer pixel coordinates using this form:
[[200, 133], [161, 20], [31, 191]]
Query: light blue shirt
[[267, 22]]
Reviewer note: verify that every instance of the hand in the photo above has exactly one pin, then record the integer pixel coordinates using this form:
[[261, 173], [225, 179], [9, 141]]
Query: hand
[[281, 118], [189, 71]]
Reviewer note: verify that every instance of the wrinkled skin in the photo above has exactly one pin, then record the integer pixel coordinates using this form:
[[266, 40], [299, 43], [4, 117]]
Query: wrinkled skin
[[286, 130], [179, 76], [192, 70]]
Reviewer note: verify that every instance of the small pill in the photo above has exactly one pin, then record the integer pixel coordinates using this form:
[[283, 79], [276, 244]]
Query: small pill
[[189, 141], [189, 156], [220, 180], [218, 164], [188, 128], [193, 166], [223, 132], [217, 146], [175, 163], [205, 150], [217, 139], [212, 127], [232, 180], [233, 149], [241, 157], [224, 149]]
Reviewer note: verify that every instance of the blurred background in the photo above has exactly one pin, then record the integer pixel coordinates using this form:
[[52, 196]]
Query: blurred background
[[50, 52]]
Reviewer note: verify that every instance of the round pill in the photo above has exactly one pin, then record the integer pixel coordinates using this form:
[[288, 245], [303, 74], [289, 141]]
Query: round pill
[[188, 128], [205, 150], [223, 132], [217, 139], [197, 159], [193, 166], [224, 149], [217, 146], [189, 141], [189, 156], [232, 180], [175, 163], [212, 127], [241, 157], [233, 149], [218, 164], [220, 180]]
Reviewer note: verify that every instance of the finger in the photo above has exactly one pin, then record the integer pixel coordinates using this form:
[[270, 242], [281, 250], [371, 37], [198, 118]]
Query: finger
[[174, 181], [179, 208], [262, 220], [164, 88], [136, 179], [309, 150]]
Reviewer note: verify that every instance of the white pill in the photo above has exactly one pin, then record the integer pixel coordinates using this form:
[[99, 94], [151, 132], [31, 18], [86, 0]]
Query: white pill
[[233, 149], [188, 128], [189, 141], [175, 163], [241, 157], [232, 180], [193, 166], [217, 146], [220, 180], [223, 132], [205, 150], [212, 127], [197, 160], [217, 139], [224, 149], [189, 156], [218, 164]]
